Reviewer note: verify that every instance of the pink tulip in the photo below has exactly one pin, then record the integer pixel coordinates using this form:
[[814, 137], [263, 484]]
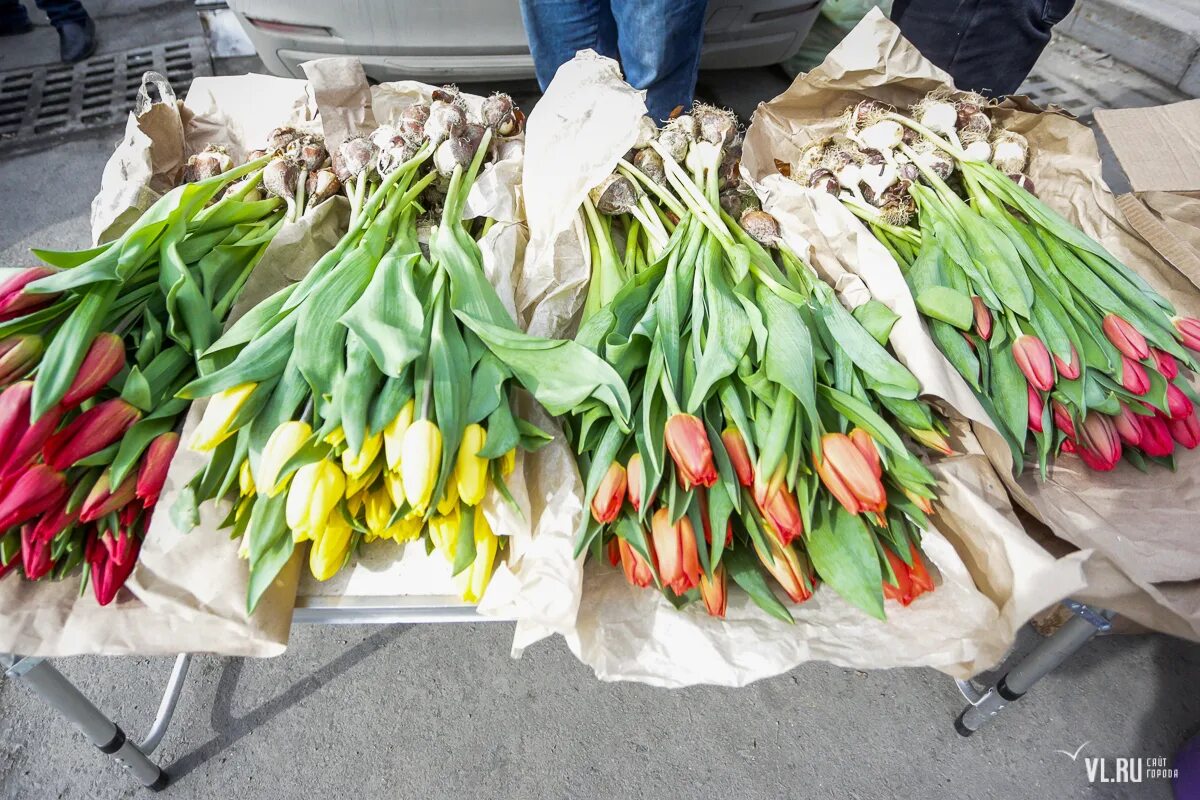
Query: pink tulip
[[1099, 445], [1129, 426], [35, 554], [152, 474], [1134, 377], [1185, 430], [1125, 337], [14, 415], [111, 559], [35, 491], [90, 432], [1166, 363], [15, 301], [1189, 332], [1036, 408], [1062, 419], [1033, 359], [1179, 405], [104, 499], [31, 442], [983, 318], [1068, 369], [104, 359], [1156, 437]]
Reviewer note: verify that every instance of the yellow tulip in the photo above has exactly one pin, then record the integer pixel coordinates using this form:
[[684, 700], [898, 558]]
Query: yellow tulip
[[355, 465], [284, 442], [473, 580], [443, 531], [508, 462], [245, 479], [316, 490], [471, 470], [420, 458], [354, 502], [378, 510], [355, 486], [220, 414], [406, 530], [329, 549], [395, 487], [393, 435], [337, 438], [449, 496]]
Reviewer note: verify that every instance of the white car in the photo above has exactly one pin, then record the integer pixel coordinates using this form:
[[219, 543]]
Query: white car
[[476, 40]]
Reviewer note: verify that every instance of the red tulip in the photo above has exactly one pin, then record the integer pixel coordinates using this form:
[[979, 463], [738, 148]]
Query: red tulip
[[1179, 405], [54, 521], [1189, 332], [983, 318], [1033, 359], [1129, 426], [848, 475], [34, 491], [90, 432], [152, 474], [911, 582], [713, 591], [610, 495], [1062, 419], [1036, 408], [104, 359], [1185, 430], [31, 442], [638, 571], [1166, 363], [784, 564], [14, 415], [10, 541], [783, 513], [1156, 437], [16, 302], [18, 355], [1068, 369], [688, 442], [739, 455], [1099, 442], [104, 499], [1125, 337], [35, 554], [1134, 377], [675, 549], [112, 560]]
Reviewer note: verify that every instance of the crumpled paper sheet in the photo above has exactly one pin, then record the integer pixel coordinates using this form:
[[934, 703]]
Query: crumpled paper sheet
[[624, 633], [187, 593], [1142, 524]]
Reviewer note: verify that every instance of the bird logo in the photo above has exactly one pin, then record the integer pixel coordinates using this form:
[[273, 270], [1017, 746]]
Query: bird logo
[[1074, 755]]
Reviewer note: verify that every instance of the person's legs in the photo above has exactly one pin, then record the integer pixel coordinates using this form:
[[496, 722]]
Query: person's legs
[[660, 44], [14, 18], [557, 29], [63, 11], [987, 46]]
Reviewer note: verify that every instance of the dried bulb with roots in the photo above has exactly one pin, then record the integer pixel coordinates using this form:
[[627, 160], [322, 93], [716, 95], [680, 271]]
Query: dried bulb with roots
[[934, 160], [445, 120], [715, 125], [280, 177], [456, 151], [762, 227], [449, 94], [650, 164], [937, 113], [1024, 181], [811, 157], [357, 155], [280, 138], [614, 195], [311, 153], [866, 113], [737, 200], [385, 136], [885, 135], [967, 105], [646, 131], [729, 171], [411, 122], [209, 162], [1010, 151], [501, 115], [322, 185], [896, 205], [823, 180], [675, 142]]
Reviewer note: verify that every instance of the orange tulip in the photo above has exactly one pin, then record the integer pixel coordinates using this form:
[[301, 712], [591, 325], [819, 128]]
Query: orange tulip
[[739, 455], [784, 564], [848, 475], [688, 442], [911, 582], [675, 549], [866, 445], [713, 592], [606, 504], [783, 513], [638, 571]]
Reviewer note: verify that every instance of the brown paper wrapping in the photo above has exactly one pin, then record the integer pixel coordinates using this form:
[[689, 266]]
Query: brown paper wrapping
[[1136, 530]]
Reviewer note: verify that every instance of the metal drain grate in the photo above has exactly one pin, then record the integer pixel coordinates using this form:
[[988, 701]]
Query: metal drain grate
[[99, 91], [1044, 91]]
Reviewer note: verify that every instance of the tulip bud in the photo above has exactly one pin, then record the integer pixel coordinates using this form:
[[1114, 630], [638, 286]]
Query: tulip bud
[[1099, 442], [393, 434], [471, 471], [638, 571], [1188, 329], [866, 445], [104, 499], [920, 501], [675, 548], [30, 445], [1156, 437], [633, 481], [222, 411], [377, 512], [911, 582], [848, 475], [610, 495], [112, 560], [330, 547], [1185, 430], [284, 442], [1062, 419], [1036, 409], [688, 443], [1125, 337], [983, 318], [783, 513], [472, 581], [14, 415], [1165, 363], [313, 497], [932, 439], [784, 564], [508, 462], [35, 491], [153, 472], [1034, 361], [54, 521], [612, 551], [449, 500], [713, 592], [35, 555], [1129, 426], [395, 487], [355, 465], [739, 455], [420, 460], [1134, 377], [90, 432], [105, 358], [18, 356], [1179, 405], [16, 301], [1068, 369]]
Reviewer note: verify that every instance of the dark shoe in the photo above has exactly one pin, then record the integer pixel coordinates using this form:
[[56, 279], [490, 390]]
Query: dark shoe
[[76, 40], [16, 30]]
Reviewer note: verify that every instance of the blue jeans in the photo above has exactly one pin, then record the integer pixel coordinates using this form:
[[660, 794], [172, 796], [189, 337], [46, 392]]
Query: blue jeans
[[14, 16], [656, 41]]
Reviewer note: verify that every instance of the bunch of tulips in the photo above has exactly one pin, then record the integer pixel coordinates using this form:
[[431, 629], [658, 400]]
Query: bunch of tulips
[[1060, 341], [94, 347], [768, 421], [371, 400]]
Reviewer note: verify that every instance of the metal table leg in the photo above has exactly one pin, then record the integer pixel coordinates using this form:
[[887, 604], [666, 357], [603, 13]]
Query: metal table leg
[[62, 695], [1048, 655]]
